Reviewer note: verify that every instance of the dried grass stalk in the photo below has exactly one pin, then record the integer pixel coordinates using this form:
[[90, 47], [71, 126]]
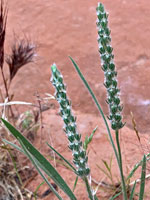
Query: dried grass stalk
[[3, 21]]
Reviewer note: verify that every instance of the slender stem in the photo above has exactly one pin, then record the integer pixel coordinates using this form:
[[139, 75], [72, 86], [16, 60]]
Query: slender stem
[[120, 167], [88, 188], [6, 90], [98, 106], [5, 83], [1, 95]]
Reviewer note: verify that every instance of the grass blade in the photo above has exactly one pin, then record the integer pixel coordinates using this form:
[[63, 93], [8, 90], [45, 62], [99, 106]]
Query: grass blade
[[35, 163], [66, 161], [117, 195], [137, 166], [44, 164], [38, 187], [106, 165], [13, 145], [97, 104], [75, 184], [132, 191], [143, 174], [23, 150]]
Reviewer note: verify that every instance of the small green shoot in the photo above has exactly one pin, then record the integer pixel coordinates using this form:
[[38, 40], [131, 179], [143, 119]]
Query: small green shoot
[[88, 140], [38, 187]]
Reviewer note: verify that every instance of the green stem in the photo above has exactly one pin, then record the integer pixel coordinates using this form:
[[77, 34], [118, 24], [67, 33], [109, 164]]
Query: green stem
[[120, 167], [88, 188]]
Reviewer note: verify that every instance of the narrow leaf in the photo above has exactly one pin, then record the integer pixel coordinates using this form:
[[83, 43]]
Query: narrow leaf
[[85, 144], [143, 174], [75, 184], [39, 171], [44, 163], [13, 145], [106, 165], [137, 166], [97, 104], [114, 197], [66, 161], [38, 187], [132, 191]]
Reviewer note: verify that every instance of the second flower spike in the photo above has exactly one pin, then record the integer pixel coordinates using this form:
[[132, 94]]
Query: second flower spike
[[108, 66]]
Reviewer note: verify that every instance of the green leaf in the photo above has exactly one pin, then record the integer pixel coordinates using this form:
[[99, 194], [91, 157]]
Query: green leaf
[[98, 106], [13, 145], [43, 162], [132, 191], [137, 166], [85, 144], [35, 163], [75, 183], [117, 195], [143, 174], [38, 187], [106, 165], [66, 161], [89, 139]]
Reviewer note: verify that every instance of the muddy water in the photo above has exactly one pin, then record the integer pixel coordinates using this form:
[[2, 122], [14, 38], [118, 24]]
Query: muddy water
[[67, 27]]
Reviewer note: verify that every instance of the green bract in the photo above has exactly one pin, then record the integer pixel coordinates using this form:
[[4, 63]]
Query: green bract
[[108, 66]]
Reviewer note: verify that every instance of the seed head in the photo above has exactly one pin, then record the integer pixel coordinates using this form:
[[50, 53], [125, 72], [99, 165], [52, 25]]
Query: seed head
[[22, 53], [108, 66], [75, 144]]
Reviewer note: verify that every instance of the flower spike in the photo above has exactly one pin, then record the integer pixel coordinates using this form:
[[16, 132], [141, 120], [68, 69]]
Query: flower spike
[[108, 66], [75, 144]]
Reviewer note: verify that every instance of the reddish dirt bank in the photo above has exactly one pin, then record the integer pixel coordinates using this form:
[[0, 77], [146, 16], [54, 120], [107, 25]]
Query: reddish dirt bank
[[61, 28]]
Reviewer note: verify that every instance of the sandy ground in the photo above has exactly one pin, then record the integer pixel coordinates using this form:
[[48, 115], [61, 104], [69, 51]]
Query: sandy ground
[[63, 28]]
